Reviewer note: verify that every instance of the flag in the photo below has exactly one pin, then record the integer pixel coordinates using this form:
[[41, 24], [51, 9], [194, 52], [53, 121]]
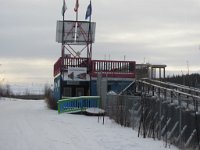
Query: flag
[[64, 8], [89, 11], [76, 6]]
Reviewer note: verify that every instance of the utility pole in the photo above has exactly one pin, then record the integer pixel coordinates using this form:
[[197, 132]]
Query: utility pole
[[188, 72], [188, 67], [183, 76]]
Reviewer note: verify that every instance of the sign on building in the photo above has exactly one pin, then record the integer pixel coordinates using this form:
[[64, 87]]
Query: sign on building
[[76, 74]]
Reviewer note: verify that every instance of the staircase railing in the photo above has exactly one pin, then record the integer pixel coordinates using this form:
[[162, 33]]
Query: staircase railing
[[78, 104]]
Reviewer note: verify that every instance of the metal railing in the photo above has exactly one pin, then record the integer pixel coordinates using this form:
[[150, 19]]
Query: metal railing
[[78, 104], [69, 62], [115, 69]]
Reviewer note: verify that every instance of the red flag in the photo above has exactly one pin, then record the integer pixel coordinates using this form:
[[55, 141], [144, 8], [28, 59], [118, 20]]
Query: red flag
[[76, 6], [64, 8]]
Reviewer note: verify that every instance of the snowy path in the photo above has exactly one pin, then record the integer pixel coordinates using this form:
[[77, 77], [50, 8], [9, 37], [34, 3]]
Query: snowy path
[[29, 125]]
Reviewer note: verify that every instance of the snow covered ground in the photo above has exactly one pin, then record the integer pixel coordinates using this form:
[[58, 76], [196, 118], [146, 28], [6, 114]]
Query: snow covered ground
[[30, 125]]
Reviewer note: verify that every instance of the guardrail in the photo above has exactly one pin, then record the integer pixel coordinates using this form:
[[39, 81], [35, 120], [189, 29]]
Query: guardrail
[[77, 104]]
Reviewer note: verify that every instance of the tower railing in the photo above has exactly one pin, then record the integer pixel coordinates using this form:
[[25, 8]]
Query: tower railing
[[108, 68], [69, 62], [116, 69]]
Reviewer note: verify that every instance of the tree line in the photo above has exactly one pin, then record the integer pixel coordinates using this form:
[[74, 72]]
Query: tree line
[[188, 80]]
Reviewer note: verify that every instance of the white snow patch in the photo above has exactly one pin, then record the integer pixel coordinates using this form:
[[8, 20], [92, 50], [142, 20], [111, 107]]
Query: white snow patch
[[30, 125], [95, 110]]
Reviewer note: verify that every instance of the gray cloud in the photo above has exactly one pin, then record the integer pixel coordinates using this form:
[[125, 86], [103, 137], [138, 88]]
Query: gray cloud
[[157, 31]]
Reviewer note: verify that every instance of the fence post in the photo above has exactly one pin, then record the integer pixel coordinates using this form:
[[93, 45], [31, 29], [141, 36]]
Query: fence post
[[197, 124], [180, 116], [160, 114]]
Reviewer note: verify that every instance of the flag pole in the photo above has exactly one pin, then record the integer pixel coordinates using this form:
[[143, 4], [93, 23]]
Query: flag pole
[[63, 45], [90, 34], [90, 49], [77, 15], [76, 9], [63, 30]]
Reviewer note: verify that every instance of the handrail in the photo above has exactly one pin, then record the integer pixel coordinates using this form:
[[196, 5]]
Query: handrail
[[77, 104], [182, 87], [170, 90], [126, 87]]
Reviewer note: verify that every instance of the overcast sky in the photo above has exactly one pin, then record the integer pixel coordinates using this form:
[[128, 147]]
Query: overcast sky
[[154, 31]]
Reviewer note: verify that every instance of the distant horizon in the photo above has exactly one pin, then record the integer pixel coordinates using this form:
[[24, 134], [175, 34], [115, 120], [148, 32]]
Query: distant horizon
[[31, 81], [37, 86]]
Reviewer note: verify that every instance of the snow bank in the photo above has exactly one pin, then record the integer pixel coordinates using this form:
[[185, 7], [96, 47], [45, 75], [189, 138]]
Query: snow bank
[[30, 125]]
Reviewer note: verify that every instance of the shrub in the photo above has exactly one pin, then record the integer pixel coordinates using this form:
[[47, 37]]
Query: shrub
[[5, 90], [51, 102]]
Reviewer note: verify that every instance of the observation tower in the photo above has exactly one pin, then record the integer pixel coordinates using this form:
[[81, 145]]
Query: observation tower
[[75, 72]]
